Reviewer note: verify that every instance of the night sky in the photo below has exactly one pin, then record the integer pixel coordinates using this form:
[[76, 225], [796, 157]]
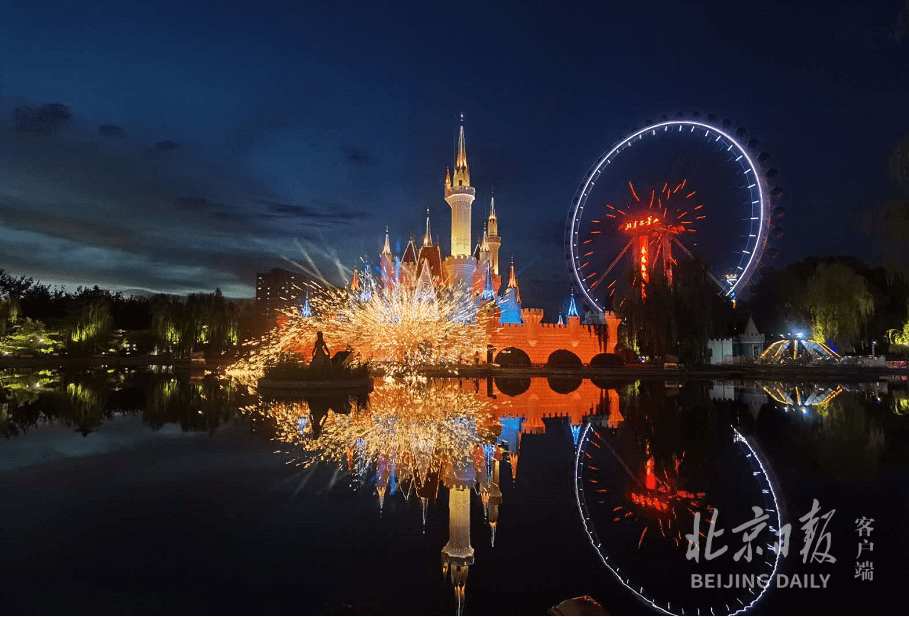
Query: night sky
[[182, 147]]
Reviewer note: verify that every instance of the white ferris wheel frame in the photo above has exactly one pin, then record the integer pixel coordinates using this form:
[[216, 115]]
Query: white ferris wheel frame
[[759, 183]]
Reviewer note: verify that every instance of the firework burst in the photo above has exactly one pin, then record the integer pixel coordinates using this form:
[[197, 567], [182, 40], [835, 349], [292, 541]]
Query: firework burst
[[400, 326]]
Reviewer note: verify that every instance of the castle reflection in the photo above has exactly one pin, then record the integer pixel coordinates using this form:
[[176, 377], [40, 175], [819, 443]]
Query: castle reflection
[[416, 437]]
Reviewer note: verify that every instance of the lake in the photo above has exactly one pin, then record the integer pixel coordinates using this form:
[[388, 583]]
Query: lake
[[154, 491]]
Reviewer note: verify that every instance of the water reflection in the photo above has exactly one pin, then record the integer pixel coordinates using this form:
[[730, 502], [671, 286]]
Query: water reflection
[[647, 455], [85, 400], [640, 484]]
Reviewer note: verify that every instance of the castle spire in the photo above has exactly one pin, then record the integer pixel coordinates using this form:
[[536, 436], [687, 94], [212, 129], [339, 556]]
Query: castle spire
[[513, 281], [460, 196], [461, 169], [573, 307], [427, 237], [493, 241], [386, 250], [489, 292]]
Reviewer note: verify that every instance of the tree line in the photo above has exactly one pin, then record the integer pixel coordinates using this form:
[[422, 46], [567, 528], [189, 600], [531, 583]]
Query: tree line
[[36, 318]]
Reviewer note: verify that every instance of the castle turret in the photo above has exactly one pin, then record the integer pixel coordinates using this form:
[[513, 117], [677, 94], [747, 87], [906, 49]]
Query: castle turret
[[460, 195], [510, 301], [429, 258], [460, 266], [495, 496], [407, 277], [573, 309], [458, 554], [493, 240], [387, 264], [427, 235]]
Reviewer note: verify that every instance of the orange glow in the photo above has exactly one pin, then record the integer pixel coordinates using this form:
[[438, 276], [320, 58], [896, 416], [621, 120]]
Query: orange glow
[[638, 223]]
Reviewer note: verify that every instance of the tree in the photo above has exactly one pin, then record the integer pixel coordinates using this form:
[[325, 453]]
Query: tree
[[29, 337], [200, 321], [839, 303], [676, 320], [889, 224], [899, 339], [89, 325], [9, 313]]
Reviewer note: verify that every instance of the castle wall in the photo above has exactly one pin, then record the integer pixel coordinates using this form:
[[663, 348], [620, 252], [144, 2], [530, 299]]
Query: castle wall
[[538, 340]]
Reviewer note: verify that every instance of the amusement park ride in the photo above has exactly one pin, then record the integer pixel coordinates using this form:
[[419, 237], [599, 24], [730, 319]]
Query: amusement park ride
[[709, 168], [653, 230]]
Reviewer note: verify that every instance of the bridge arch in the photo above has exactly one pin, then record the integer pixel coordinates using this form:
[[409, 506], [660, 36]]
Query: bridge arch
[[562, 358], [512, 357], [606, 360]]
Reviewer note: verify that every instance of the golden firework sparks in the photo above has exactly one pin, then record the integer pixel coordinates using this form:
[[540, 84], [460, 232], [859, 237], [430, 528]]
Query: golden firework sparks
[[414, 425], [401, 326]]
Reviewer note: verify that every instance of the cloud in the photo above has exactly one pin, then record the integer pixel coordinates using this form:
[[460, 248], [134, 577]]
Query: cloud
[[75, 210], [43, 120], [324, 210], [111, 131], [359, 156], [164, 147]]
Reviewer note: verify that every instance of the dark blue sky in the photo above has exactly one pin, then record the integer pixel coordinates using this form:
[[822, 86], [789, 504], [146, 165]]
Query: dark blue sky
[[238, 135]]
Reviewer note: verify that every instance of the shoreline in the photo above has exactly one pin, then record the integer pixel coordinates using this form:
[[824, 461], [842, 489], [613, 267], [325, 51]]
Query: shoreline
[[785, 373]]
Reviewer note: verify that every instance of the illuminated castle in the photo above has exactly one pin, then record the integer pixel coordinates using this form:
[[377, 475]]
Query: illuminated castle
[[472, 265], [423, 269]]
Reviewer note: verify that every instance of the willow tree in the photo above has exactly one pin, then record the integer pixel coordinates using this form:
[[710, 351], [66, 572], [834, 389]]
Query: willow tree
[[196, 322], [838, 301], [899, 339], [89, 324], [9, 313], [676, 319]]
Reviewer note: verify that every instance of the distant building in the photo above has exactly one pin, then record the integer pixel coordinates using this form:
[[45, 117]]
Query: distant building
[[278, 290], [743, 347]]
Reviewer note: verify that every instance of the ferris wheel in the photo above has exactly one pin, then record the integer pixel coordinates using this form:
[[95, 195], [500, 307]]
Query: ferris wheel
[[637, 514], [676, 189]]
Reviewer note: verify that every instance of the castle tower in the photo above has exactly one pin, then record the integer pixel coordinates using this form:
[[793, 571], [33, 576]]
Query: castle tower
[[387, 265], [458, 554], [430, 258], [407, 277], [460, 195], [513, 281], [573, 314], [510, 301], [493, 241], [495, 496], [461, 265]]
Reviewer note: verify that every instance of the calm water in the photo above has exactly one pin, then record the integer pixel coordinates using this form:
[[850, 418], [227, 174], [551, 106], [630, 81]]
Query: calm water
[[158, 492]]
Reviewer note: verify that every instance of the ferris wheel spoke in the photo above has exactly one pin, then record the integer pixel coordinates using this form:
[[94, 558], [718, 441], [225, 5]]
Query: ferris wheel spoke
[[709, 273], [613, 264]]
